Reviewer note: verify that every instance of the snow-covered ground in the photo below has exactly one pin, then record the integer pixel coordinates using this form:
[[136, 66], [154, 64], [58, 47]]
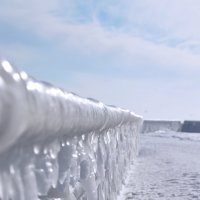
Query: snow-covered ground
[[168, 167]]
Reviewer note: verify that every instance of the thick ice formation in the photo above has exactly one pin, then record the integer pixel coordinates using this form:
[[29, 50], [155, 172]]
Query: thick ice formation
[[57, 145]]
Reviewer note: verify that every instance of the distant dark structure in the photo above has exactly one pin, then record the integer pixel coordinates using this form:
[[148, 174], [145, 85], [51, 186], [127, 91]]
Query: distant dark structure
[[191, 126]]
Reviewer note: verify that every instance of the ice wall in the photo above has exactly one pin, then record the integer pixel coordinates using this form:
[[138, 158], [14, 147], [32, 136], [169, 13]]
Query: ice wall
[[57, 145], [157, 125], [191, 126]]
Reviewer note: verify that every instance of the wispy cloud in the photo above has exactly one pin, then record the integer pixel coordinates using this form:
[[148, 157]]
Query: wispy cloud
[[47, 19], [124, 42]]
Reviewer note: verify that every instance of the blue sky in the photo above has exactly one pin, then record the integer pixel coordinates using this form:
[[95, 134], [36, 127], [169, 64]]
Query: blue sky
[[143, 55]]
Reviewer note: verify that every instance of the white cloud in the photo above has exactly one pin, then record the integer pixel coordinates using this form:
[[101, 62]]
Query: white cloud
[[94, 39], [179, 19], [134, 44]]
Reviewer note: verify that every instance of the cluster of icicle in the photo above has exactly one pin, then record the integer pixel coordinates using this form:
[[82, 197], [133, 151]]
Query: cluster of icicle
[[57, 145]]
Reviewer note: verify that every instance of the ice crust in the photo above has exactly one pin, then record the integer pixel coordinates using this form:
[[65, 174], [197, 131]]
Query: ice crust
[[57, 145]]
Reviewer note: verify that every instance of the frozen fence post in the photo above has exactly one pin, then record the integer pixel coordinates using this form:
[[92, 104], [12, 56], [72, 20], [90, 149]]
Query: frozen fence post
[[54, 144]]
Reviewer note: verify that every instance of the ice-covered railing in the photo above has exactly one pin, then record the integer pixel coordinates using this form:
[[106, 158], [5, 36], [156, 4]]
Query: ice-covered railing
[[57, 145]]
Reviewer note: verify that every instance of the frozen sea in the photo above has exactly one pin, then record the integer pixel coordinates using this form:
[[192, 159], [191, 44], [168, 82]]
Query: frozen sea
[[167, 167]]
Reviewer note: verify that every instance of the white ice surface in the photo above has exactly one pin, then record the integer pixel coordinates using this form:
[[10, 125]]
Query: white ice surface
[[167, 168], [33, 110]]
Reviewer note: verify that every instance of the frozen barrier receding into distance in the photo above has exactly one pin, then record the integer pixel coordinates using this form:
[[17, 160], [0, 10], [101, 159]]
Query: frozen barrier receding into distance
[[57, 145], [161, 125]]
